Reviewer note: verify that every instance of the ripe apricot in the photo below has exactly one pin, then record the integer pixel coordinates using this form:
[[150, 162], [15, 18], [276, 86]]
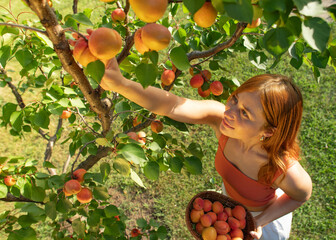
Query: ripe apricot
[[105, 43], [167, 77], [228, 211], [216, 87], [221, 237], [204, 93], [135, 122], [213, 217], [138, 43], [198, 203], [155, 36], [222, 227], [196, 81], [84, 196], [79, 174], [206, 220], [233, 223], [195, 215], [66, 114], [118, 15], [135, 232], [209, 233], [9, 181], [222, 216], [207, 206], [255, 23], [133, 135], [156, 126], [199, 227], [82, 53], [206, 74], [217, 207], [236, 233], [242, 223], [66, 193], [72, 186], [239, 212], [206, 15], [149, 10]]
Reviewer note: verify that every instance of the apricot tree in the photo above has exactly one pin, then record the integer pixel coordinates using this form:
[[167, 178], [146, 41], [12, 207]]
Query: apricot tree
[[62, 59]]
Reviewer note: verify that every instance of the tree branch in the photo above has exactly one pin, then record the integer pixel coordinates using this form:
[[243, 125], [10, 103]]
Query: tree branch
[[57, 36], [25, 27], [203, 54], [93, 159], [12, 198]]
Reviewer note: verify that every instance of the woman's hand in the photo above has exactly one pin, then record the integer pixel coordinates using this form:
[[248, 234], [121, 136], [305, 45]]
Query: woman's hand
[[257, 233], [112, 77]]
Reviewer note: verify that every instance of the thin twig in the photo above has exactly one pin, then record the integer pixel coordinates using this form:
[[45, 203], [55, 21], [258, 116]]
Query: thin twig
[[24, 27], [81, 116], [80, 151]]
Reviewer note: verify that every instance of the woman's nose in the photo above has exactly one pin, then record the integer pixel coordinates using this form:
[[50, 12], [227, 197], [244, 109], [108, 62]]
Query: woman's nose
[[229, 113]]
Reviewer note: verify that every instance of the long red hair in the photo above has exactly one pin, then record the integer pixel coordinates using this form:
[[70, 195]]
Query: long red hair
[[282, 103]]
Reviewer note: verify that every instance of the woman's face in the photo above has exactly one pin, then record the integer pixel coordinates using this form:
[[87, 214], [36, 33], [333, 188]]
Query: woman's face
[[244, 117]]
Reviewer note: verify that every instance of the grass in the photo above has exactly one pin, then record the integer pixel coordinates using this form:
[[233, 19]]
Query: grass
[[166, 199]]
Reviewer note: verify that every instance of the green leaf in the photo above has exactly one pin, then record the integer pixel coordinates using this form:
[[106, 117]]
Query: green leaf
[[122, 166], [258, 59], [312, 8], [153, 56], [179, 58], [77, 102], [123, 109], [24, 57], [63, 205], [111, 211], [47, 164], [142, 223], [180, 36], [96, 69], [132, 152], [135, 177], [241, 10], [152, 170], [78, 227], [5, 53], [94, 218], [162, 232], [23, 234], [7, 111], [41, 119], [193, 165], [146, 74], [32, 209], [82, 19], [3, 190], [316, 32], [16, 119], [38, 194], [178, 125], [196, 150], [273, 5], [26, 220], [175, 164], [277, 41], [320, 60], [100, 193], [50, 209], [193, 5], [105, 170]]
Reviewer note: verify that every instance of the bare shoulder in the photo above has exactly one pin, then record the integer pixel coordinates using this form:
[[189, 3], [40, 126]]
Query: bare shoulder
[[296, 183]]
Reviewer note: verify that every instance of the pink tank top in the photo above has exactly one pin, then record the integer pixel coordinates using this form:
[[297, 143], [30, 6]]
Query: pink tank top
[[239, 186]]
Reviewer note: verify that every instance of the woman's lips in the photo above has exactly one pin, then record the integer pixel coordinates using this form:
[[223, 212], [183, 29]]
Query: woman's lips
[[226, 124]]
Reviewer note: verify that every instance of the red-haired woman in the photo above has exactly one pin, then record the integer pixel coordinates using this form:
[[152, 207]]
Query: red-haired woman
[[258, 152]]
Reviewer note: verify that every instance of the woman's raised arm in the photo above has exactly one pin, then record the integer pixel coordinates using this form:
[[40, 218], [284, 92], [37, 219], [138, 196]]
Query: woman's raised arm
[[162, 102]]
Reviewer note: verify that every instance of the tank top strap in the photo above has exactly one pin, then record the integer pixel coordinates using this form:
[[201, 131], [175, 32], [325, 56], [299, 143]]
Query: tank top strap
[[222, 141]]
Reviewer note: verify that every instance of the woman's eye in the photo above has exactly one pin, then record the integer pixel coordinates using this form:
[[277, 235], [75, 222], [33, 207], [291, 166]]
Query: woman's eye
[[234, 99], [244, 113]]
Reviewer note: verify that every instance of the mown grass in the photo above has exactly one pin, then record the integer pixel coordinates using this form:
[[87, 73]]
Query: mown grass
[[166, 199]]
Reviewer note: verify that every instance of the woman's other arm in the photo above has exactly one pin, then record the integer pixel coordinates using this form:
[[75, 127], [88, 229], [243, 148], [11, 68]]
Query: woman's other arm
[[297, 187], [162, 102]]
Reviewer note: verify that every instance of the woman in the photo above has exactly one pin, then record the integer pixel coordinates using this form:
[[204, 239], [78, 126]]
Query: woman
[[257, 131]]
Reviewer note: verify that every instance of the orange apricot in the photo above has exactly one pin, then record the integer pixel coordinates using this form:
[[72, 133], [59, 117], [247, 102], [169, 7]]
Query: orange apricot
[[149, 10], [206, 15], [209, 233]]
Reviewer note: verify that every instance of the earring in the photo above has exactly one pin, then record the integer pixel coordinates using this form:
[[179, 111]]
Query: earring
[[262, 138]]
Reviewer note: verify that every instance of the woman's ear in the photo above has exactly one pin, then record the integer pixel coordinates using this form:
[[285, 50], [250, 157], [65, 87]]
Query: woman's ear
[[269, 131]]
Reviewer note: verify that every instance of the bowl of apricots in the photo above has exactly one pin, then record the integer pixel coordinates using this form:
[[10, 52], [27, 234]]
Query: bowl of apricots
[[214, 216]]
